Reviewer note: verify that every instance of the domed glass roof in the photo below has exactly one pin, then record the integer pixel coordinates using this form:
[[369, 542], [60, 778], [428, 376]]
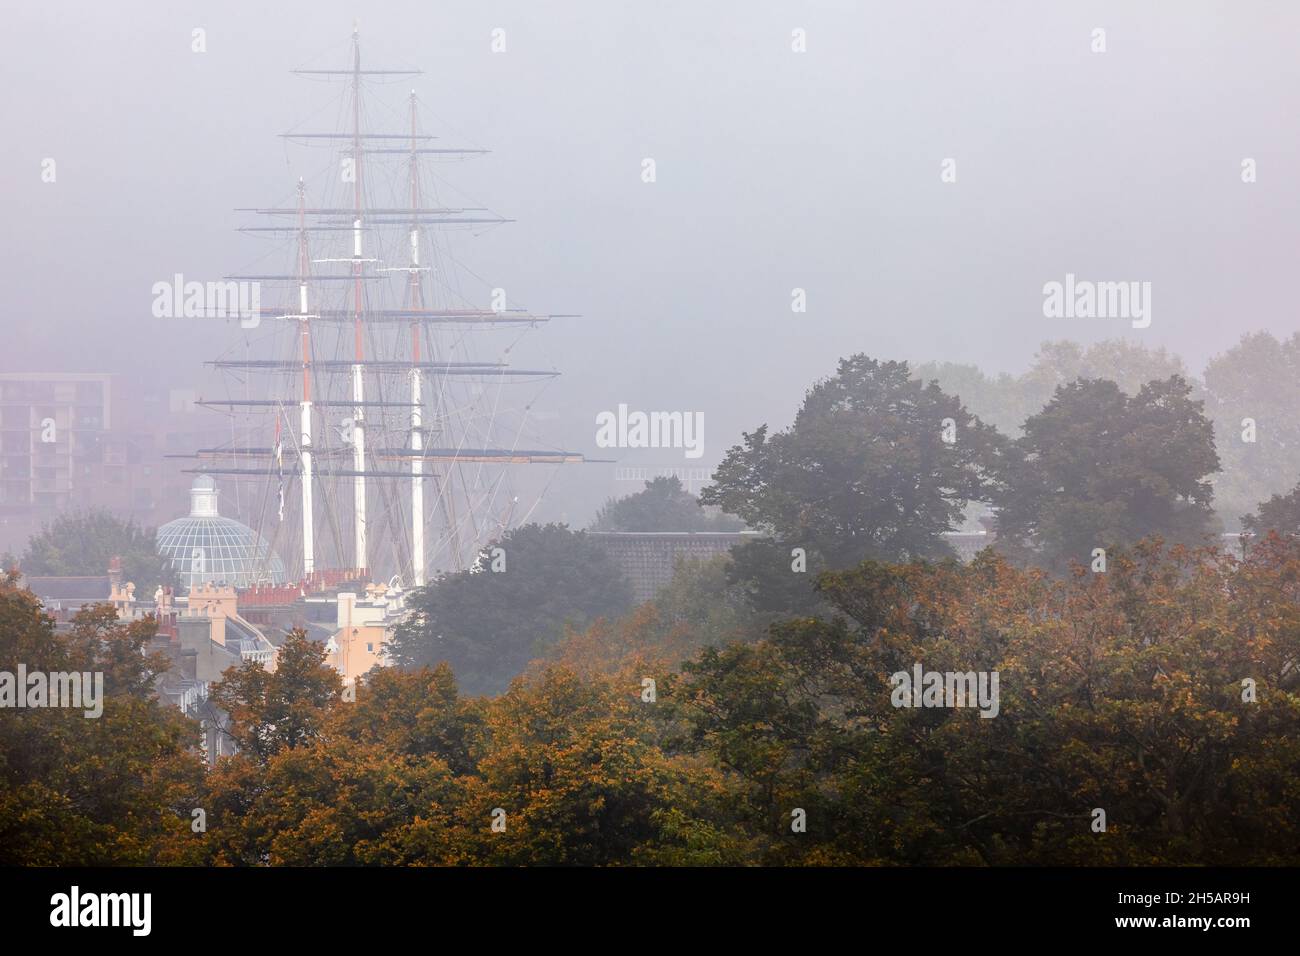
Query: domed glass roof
[[206, 547]]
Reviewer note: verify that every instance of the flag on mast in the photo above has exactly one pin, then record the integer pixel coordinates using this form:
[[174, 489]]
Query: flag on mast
[[279, 465]]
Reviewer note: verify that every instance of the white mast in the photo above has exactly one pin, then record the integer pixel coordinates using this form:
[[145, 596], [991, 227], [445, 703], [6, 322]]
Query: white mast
[[304, 438], [417, 438], [417, 412], [308, 542], [358, 382]]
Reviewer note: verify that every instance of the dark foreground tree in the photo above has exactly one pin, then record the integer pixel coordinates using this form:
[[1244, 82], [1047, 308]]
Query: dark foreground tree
[[1099, 469], [488, 623]]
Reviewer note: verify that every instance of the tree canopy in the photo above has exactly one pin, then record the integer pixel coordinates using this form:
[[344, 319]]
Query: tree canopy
[[663, 505], [1162, 693], [876, 465], [1252, 392], [489, 622], [1281, 513], [83, 543], [112, 790], [1007, 401], [1097, 468]]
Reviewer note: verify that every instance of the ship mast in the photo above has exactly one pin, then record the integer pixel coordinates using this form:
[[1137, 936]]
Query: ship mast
[[358, 380], [304, 438], [436, 445], [417, 423]]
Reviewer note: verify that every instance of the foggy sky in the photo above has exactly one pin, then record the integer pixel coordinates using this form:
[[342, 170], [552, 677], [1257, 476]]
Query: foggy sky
[[775, 170]]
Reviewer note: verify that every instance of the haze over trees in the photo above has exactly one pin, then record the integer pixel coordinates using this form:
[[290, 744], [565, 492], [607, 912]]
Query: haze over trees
[[490, 621], [530, 693], [84, 543], [1253, 393], [876, 465], [1097, 468], [1250, 393], [1163, 691], [1006, 401], [662, 505]]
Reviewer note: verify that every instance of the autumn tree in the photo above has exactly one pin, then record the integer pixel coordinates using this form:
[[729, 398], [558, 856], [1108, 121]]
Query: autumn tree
[[1161, 693], [377, 782], [115, 789], [572, 773], [270, 711]]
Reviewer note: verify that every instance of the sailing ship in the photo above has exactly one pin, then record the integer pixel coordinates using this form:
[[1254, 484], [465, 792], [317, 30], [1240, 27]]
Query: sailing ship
[[379, 437]]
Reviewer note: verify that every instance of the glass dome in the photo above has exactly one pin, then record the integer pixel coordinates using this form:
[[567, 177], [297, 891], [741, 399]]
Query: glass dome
[[206, 547]]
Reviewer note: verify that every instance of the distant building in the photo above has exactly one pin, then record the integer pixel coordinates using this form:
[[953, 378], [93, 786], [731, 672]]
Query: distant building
[[52, 428], [363, 627], [69, 593], [648, 558], [967, 544], [80, 441], [208, 637]]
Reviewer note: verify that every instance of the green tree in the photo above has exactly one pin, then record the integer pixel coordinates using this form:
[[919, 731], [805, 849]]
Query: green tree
[[1099, 469], [663, 505], [488, 624], [85, 543], [876, 465], [1281, 513]]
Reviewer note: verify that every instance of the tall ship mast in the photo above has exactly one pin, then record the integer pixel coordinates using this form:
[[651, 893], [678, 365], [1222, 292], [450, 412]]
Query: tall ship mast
[[361, 378]]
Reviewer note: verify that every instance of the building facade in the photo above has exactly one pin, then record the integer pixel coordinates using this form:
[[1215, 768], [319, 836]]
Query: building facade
[[648, 558]]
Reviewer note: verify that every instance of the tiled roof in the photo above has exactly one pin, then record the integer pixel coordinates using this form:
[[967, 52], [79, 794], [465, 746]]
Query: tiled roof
[[88, 589]]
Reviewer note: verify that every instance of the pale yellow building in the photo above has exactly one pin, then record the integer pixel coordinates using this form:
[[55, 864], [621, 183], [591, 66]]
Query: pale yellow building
[[364, 624]]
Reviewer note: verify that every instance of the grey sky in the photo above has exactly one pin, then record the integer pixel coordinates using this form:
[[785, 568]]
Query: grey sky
[[775, 170]]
